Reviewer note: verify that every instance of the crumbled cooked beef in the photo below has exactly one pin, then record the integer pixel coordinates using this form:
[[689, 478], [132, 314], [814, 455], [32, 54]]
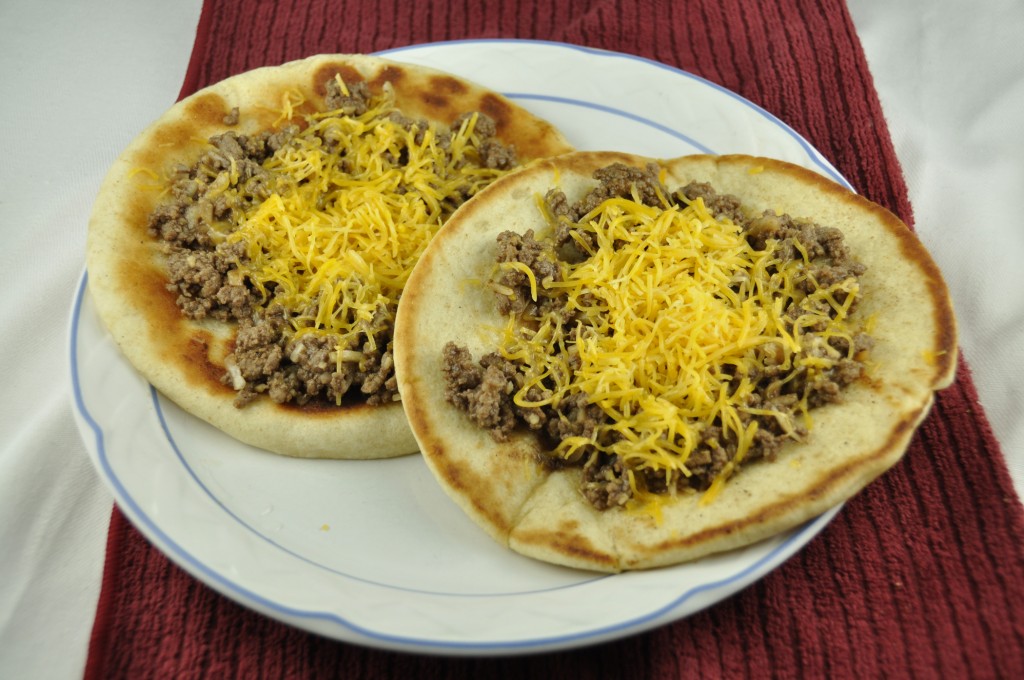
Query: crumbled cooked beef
[[315, 359], [495, 155], [377, 378], [616, 180], [257, 354], [484, 127], [483, 393], [234, 300], [275, 141], [493, 152], [558, 204], [720, 205], [283, 386], [258, 350], [196, 278], [823, 246], [353, 103], [575, 416], [513, 247], [228, 144], [200, 279], [516, 294], [861, 342], [604, 483], [620, 180], [484, 389], [174, 222], [303, 368], [461, 373], [572, 244]]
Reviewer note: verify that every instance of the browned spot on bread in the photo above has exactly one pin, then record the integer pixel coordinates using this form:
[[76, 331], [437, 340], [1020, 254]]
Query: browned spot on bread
[[207, 109], [166, 139], [300, 114], [326, 72], [447, 84], [461, 480], [197, 358], [142, 203], [389, 74], [497, 108], [150, 291], [434, 100], [173, 141], [945, 323], [452, 472], [180, 343], [567, 539], [947, 352]]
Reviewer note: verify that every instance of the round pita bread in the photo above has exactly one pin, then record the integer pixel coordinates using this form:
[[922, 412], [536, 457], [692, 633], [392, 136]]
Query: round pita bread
[[127, 278], [542, 514]]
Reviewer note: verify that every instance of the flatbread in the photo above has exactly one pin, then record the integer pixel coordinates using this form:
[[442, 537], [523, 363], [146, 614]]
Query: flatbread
[[127, 274], [542, 514]]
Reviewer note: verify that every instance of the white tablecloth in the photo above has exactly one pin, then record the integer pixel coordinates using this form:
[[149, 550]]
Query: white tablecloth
[[80, 79]]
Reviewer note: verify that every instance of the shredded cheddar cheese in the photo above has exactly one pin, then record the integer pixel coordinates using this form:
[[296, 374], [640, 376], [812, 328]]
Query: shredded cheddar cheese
[[354, 202], [676, 311]]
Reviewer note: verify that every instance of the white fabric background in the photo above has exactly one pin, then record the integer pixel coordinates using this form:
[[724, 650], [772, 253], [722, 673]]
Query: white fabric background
[[80, 79]]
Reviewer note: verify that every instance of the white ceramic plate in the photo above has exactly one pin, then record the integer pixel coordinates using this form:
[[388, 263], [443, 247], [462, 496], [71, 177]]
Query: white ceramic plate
[[373, 552]]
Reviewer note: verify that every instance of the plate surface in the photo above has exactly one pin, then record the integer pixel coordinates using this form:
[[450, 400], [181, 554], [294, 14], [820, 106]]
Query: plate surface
[[373, 552]]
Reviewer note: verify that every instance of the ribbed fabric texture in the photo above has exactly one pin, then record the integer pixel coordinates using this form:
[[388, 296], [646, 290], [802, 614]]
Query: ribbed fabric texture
[[921, 575]]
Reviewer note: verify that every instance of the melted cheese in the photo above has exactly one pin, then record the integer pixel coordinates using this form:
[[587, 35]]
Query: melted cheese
[[675, 315], [355, 201]]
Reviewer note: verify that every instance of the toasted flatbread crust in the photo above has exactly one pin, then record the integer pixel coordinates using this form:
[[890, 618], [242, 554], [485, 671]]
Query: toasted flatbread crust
[[542, 514], [184, 359]]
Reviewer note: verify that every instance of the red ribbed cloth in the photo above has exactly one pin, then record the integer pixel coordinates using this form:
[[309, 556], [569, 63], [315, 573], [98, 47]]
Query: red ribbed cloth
[[921, 575]]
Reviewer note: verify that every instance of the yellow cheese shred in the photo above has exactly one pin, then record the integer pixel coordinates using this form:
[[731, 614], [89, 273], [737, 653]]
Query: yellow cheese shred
[[680, 297], [354, 202]]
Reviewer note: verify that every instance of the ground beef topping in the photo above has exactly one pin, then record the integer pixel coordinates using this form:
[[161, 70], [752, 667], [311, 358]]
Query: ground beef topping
[[660, 350], [303, 236]]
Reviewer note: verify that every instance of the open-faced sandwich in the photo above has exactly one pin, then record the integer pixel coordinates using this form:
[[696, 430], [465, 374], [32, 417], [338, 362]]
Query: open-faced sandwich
[[248, 250], [612, 362]]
